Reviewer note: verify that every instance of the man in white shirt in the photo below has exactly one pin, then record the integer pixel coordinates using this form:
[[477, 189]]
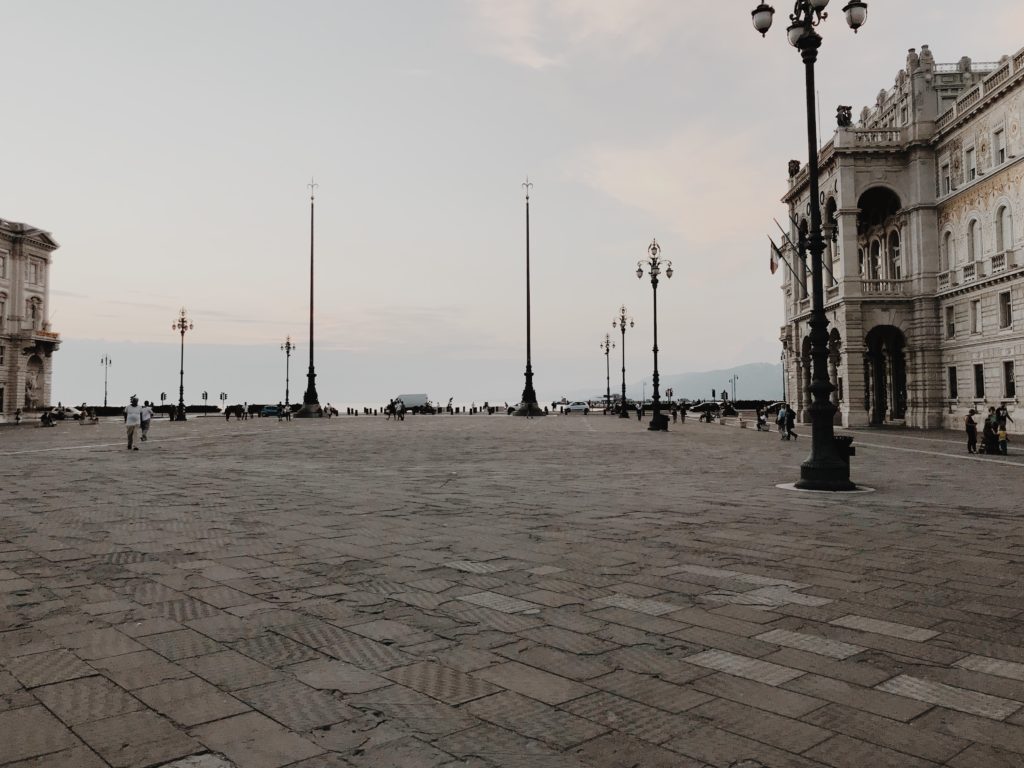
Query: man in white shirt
[[132, 420], [147, 418]]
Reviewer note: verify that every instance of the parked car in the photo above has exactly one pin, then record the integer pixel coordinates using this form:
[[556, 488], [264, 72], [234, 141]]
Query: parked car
[[578, 407], [268, 410]]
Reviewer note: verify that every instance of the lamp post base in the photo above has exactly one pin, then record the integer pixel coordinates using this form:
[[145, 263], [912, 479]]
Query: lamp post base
[[624, 413], [308, 411], [659, 423], [825, 478], [529, 409]]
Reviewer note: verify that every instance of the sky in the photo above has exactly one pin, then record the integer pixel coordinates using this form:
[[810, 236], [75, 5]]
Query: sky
[[167, 147]]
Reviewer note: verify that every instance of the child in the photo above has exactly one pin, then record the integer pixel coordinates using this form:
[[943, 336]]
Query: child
[[1002, 439]]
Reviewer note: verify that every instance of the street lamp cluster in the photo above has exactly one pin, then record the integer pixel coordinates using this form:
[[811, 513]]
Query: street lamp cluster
[[828, 466]]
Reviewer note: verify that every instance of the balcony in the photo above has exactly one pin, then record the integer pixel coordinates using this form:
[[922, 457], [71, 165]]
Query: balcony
[[884, 287], [1003, 261], [948, 280], [973, 271]]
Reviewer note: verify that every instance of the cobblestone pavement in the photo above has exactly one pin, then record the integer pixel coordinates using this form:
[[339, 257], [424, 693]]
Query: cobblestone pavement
[[479, 592]]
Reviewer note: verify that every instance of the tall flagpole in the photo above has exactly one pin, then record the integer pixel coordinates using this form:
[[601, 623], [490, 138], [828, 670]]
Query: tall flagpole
[[528, 405], [310, 399]]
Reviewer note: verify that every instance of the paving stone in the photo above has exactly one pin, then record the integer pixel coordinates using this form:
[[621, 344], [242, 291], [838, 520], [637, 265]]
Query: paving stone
[[499, 602], [616, 750], [78, 757], [200, 761], [254, 741], [100, 644], [844, 752], [619, 714], [892, 629], [869, 700], [441, 683], [136, 739], [366, 653], [651, 691], [477, 567], [535, 683], [902, 737], [86, 698], [650, 607], [568, 641], [501, 747], [230, 670], [48, 667], [296, 705], [766, 697], [990, 666], [328, 675], [950, 697], [811, 643], [180, 644], [191, 701], [782, 732], [275, 651], [721, 748], [407, 752], [139, 670], [742, 666], [32, 731], [419, 712], [534, 720]]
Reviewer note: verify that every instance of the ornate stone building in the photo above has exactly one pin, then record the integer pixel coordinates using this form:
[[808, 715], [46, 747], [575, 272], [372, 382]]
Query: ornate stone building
[[922, 200], [26, 341]]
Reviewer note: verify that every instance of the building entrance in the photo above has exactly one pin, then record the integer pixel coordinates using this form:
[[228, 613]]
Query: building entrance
[[885, 375]]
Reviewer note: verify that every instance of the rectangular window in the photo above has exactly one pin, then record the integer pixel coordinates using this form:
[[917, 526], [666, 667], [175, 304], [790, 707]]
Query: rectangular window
[[1009, 385], [2, 350], [953, 394], [999, 146], [979, 381], [3, 265], [1005, 310], [950, 322], [971, 165], [976, 316], [946, 187]]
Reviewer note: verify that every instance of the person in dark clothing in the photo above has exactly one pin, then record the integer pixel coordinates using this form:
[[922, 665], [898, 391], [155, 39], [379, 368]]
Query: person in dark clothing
[[790, 423], [972, 431], [989, 438]]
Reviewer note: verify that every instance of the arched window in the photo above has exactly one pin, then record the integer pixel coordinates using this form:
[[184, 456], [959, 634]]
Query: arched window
[[974, 250], [947, 254], [875, 261], [895, 262], [3, 310], [1004, 230], [35, 312]]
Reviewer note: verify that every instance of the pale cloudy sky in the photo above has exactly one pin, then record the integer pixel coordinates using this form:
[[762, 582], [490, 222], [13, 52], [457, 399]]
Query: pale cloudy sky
[[167, 147]]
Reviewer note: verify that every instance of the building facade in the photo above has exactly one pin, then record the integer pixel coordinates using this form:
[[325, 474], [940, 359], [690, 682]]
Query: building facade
[[922, 202], [27, 343]]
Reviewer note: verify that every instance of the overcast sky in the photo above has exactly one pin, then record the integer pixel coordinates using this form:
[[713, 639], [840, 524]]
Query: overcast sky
[[167, 146]]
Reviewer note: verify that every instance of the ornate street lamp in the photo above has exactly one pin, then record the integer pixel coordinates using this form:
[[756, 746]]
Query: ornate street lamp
[[181, 325], [223, 399], [732, 380], [607, 345], [106, 362], [653, 263], [528, 405], [205, 397], [287, 348], [310, 399], [620, 323], [828, 466]]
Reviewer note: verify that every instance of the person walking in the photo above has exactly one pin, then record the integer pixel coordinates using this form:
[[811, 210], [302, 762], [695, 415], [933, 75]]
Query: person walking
[[780, 420], [972, 431], [639, 411], [146, 418], [790, 423], [132, 421], [989, 433]]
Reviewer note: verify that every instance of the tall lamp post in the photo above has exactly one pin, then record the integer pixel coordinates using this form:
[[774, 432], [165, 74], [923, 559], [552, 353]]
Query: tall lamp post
[[620, 323], [607, 345], [287, 348], [826, 469], [106, 362], [181, 324], [782, 359], [310, 399], [732, 380], [528, 405], [206, 396], [659, 422]]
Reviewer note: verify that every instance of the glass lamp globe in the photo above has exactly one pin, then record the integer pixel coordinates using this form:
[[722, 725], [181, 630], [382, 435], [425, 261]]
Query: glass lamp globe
[[762, 18], [856, 14]]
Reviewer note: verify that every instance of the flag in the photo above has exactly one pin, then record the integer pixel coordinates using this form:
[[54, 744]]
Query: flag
[[775, 257]]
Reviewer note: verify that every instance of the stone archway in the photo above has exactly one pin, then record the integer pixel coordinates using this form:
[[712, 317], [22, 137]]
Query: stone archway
[[885, 371]]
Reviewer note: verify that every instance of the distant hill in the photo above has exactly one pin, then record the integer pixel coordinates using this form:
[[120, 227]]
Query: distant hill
[[755, 381]]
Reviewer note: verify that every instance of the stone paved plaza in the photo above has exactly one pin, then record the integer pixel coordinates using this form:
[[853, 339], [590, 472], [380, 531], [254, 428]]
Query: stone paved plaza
[[477, 592]]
